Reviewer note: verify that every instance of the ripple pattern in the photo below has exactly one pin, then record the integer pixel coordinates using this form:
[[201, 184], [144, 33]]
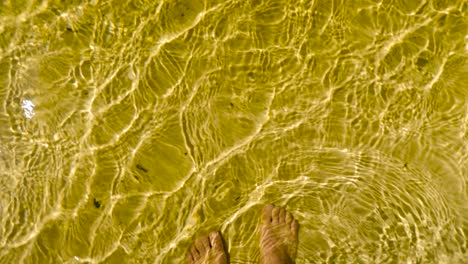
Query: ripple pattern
[[129, 128]]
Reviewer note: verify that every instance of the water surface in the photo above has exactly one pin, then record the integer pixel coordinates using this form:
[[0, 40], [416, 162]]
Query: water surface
[[129, 128]]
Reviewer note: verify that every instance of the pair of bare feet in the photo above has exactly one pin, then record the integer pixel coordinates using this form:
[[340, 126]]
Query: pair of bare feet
[[278, 240]]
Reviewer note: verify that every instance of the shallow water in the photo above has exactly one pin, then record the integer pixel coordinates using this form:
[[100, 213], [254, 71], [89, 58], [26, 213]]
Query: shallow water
[[129, 128]]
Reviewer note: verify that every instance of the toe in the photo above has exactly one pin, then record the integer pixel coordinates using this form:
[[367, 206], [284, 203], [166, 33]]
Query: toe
[[275, 215], [282, 216], [216, 241], [190, 258], [194, 253], [294, 228], [203, 245], [289, 218], [267, 213]]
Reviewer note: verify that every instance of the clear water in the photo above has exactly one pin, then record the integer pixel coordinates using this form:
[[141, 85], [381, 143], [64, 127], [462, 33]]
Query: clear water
[[129, 128]]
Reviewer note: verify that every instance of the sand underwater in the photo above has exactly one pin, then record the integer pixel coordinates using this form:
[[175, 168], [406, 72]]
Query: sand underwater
[[129, 128]]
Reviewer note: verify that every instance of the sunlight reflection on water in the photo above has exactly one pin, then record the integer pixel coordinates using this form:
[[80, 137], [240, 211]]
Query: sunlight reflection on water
[[28, 108]]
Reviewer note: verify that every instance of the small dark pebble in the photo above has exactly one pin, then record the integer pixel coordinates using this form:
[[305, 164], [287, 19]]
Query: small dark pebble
[[138, 166], [183, 14], [185, 153], [96, 203], [231, 104]]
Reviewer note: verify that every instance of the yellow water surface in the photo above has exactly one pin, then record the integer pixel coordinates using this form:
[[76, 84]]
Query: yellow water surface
[[130, 127]]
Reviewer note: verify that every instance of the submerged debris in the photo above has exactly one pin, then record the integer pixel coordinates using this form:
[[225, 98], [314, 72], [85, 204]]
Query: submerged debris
[[96, 203], [138, 166]]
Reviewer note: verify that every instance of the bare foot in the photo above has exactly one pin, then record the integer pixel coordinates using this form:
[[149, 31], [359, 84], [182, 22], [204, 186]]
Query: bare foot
[[208, 250], [278, 236]]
